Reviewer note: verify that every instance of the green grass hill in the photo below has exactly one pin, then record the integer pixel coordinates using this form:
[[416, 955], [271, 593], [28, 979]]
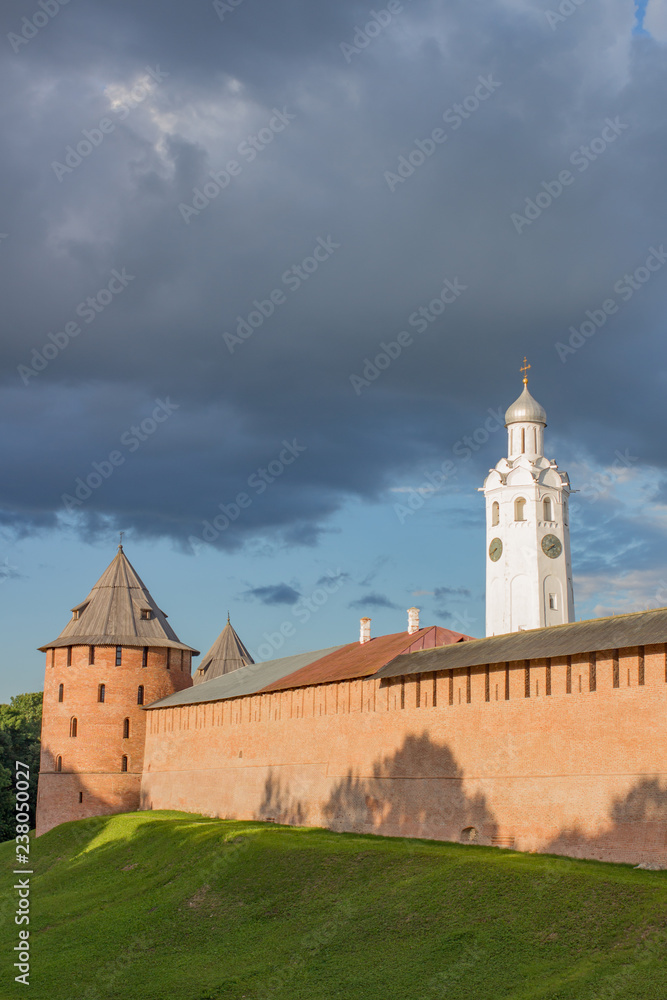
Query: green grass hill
[[171, 906]]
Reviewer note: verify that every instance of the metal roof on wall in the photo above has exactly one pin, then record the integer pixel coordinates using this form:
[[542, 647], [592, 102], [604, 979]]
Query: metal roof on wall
[[642, 628], [364, 659], [241, 682]]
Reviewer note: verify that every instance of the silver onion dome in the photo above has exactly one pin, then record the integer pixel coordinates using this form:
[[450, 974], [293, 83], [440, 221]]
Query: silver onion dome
[[525, 408]]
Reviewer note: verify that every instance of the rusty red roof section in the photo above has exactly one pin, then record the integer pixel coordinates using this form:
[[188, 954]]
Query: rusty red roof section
[[363, 660]]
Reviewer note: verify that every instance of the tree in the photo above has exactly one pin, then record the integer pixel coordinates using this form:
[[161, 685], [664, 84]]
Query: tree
[[20, 729]]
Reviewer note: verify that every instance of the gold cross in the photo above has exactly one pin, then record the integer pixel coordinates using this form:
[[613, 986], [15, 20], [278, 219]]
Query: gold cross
[[525, 370]]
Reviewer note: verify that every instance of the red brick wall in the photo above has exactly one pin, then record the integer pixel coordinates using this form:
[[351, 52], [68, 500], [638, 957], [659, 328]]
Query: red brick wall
[[581, 773], [91, 761]]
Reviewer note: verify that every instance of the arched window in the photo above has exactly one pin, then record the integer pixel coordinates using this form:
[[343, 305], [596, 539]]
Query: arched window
[[548, 512], [140, 695], [61, 692], [520, 509], [495, 513], [126, 729], [101, 692], [73, 727], [123, 763], [59, 763], [523, 440]]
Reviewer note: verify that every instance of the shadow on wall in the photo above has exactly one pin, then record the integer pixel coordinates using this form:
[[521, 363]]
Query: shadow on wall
[[637, 827], [418, 791], [279, 805]]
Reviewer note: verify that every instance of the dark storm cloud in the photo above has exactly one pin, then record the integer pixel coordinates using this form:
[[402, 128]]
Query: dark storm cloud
[[372, 601], [451, 592], [195, 88], [279, 593]]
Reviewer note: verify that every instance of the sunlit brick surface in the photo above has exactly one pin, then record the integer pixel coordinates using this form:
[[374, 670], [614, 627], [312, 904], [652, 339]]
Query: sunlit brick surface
[[581, 773], [92, 760]]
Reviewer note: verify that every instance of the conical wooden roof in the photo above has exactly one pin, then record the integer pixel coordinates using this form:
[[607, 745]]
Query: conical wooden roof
[[225, 655], [119, 611]]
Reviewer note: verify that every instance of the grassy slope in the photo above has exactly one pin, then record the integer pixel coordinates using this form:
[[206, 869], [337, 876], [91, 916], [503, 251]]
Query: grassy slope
[[170, 905]]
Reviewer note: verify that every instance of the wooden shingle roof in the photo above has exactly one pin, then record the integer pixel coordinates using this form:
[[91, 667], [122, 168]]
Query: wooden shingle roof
[[119, 611], [640, 628], [225, 655]]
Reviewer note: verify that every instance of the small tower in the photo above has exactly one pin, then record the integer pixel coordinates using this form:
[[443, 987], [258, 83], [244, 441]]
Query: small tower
[[528, 563], [226, 654], [115, 655]]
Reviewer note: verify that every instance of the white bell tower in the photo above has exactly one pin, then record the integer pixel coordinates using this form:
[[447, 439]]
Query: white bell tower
[[528, 563]]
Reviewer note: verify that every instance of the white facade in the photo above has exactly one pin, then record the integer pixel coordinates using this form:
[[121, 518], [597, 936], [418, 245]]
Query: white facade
[[528, 563]]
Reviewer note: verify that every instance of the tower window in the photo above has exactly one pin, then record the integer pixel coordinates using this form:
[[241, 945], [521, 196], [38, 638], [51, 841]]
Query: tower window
[[140, 695], [73, 727], [61, 692], [523, 440], [495, 513], [123, 763], [91, 655], [119, 655], [101, 692], [76, 615], [520, 509], [80, 797], [146, 614], [168, 659], [548, 511], [144, 656], [182, 658], [553, 602], [53, 657], [59, 763], [69, 656], [126, 729]]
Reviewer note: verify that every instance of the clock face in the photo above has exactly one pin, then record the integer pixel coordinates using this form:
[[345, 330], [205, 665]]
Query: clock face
[[552, 546], [495, 549]]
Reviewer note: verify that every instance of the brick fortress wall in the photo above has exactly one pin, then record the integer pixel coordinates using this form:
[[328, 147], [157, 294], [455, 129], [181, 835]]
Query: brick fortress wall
[[566, 756], [92, 760]]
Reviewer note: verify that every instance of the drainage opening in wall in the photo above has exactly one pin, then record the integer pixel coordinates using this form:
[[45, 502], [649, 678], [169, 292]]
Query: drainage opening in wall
[[469, 835]]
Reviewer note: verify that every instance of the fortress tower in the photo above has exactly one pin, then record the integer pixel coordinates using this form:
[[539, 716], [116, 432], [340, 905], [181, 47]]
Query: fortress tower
[[116, 655], [528, 564]]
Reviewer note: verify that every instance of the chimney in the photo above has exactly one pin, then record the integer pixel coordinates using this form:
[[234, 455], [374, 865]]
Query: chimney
[[413, 620], [365, 633]]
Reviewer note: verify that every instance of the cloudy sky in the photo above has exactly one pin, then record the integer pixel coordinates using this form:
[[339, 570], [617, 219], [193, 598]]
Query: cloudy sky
[[216, 216]]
